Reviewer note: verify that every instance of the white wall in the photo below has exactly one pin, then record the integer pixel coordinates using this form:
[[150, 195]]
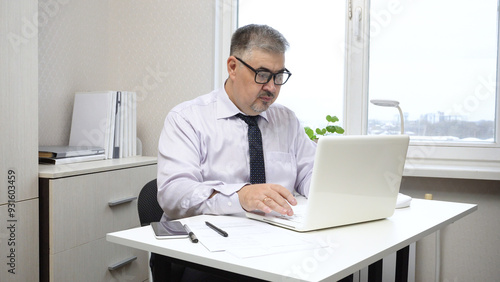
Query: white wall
[[469, 247], [161, 49]]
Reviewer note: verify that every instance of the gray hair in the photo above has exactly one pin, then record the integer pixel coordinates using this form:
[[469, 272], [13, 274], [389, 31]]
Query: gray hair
[[253, 36]]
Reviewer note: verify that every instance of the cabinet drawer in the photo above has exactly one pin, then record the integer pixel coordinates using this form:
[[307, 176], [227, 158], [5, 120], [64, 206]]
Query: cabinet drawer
[[90, 262], [84, 208]]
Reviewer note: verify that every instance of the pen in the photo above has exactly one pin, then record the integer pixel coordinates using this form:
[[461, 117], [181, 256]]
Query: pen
[[217, 229], [191, 234]]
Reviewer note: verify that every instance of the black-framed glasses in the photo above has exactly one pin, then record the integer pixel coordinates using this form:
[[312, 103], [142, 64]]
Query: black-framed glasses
[[263, 76]]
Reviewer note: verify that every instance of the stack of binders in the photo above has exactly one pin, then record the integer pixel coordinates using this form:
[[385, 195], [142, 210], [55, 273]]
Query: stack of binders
[[106, 119]]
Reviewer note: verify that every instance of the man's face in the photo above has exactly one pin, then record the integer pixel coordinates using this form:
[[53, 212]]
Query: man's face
[[250, 97]]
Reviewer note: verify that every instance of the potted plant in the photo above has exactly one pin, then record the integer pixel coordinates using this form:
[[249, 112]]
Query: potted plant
[[330, 128]]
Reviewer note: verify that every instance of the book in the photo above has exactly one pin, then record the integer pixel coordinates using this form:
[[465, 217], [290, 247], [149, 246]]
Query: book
[[91, 123], [111, 132], [68, 151], [118, 126], [69, 160], [106, 119]]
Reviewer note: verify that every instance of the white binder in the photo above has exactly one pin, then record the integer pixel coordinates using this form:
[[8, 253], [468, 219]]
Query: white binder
[[106, 119]]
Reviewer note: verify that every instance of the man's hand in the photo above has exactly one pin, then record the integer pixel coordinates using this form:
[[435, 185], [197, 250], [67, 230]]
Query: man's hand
[[267, 197]]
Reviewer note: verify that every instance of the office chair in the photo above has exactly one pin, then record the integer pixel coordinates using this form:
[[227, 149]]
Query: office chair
[[147, 204], [149, 210], [164, 268]]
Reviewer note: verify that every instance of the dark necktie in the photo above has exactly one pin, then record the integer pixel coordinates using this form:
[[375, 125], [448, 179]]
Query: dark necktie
[[257, 168]]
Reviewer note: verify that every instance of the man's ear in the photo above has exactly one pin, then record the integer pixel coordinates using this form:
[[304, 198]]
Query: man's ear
[[231, 66]]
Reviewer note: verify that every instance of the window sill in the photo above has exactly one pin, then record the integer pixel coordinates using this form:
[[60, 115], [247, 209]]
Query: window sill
[[487, 170]]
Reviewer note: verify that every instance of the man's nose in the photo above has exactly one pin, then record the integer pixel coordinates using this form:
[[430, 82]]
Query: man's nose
[[270, 86]]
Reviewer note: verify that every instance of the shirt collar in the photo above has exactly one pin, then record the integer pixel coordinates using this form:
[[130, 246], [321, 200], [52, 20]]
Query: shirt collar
[[226, 107]]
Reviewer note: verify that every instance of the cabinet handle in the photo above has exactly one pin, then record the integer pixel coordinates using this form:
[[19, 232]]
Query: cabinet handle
[[121, 263], [122, 201]]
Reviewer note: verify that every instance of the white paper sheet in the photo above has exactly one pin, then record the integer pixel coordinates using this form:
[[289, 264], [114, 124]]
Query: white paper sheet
[[248, 238]]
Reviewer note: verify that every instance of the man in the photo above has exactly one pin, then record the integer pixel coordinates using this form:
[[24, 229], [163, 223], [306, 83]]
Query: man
[[203, 160]]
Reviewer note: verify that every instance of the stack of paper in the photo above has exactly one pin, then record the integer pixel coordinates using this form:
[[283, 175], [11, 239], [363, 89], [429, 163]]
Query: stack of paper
[[69, 154], [260, 238], [105, 119]]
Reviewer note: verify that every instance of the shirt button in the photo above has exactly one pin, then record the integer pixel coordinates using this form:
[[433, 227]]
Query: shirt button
[[229, 204]]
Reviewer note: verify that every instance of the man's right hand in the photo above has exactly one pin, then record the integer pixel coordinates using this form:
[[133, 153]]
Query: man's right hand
[[267, 197]]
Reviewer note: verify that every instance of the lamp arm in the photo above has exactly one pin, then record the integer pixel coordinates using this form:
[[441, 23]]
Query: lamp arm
[[402, 120]]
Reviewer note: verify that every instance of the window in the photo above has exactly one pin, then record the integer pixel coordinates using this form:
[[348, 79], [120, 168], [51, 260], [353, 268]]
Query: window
[[316, 33], [441, 70], [446, 56], [437, 58]]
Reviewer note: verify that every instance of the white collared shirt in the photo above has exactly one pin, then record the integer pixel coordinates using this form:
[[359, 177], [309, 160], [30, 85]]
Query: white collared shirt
[[204, 147]]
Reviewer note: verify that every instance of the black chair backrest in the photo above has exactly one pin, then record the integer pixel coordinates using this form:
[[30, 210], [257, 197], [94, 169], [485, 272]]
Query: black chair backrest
[[147, 204]]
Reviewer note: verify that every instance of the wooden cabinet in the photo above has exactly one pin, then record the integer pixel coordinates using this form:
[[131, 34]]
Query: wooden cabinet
[[79, 204], [18, 141]]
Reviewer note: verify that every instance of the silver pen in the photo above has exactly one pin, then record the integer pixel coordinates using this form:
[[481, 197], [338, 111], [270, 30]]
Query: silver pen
[[191, 234]]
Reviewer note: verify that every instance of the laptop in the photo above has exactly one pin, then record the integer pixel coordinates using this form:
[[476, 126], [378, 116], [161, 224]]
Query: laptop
[[356, 178]]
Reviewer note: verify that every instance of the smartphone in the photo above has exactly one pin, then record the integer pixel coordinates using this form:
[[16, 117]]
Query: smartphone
[[169, 230]]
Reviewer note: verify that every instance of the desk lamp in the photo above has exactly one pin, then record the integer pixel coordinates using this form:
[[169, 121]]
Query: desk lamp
[[393, 104], [403, 200]]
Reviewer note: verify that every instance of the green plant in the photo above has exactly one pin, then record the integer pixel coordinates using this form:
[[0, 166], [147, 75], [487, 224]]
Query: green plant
[[329, 129]]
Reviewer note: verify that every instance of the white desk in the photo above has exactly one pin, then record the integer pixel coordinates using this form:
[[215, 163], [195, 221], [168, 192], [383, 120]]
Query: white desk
[[352, 248]]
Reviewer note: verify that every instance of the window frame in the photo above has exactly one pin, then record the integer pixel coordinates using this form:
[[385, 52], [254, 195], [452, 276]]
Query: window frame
[[226, 22], [425, 159]]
